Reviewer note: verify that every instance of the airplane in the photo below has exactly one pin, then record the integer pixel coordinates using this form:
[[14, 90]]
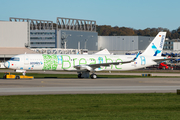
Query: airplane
[[86, 64]]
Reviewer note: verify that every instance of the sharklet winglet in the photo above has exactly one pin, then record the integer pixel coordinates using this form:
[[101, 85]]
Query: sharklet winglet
[[136, 56]]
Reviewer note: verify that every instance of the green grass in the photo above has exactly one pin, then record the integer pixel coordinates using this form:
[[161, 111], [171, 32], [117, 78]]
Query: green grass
[[153, 106]]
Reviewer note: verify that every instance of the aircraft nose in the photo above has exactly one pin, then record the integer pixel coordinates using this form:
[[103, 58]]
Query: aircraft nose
[[6, 64]]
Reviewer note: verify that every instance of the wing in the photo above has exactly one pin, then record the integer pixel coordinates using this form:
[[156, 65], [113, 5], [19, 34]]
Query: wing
[[163, 59], [92, 67], [108, 64]]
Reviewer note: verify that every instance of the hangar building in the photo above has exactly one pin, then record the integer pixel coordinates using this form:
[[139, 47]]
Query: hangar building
[[14, 36], [76, 34], [67, 33], [124, 43]]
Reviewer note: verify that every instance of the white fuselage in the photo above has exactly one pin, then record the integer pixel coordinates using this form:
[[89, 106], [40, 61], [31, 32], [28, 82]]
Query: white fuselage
[[67, 62]]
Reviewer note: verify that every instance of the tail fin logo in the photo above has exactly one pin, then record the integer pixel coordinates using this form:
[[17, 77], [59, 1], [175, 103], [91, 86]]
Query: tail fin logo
[[155, 50], [161, 43]]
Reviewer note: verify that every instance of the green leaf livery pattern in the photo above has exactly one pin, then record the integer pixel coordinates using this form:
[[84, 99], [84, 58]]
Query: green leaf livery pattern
[[50, 62]]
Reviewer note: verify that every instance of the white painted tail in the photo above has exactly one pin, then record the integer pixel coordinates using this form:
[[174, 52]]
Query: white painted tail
[[156, 46]]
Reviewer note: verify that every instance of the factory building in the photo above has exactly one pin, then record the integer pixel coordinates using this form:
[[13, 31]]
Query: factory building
[[42, 33], [171, 44], [14, 34], [76, 34], [77, 40], [121, 44], [42, 39], [68, 34]]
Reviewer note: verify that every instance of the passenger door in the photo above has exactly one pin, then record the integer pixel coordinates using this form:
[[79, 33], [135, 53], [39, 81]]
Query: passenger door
[[26, 62]]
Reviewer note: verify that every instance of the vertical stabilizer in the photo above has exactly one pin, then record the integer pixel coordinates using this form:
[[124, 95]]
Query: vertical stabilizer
[[156, 46]]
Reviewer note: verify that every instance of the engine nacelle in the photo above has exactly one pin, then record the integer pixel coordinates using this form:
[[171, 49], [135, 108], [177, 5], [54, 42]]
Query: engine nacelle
[[86, 68]]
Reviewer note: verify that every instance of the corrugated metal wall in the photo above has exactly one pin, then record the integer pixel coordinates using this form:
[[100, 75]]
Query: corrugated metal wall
[[87, 40], [13, 34], [176, 46], [143, 42], [123, 43], [118, 43]]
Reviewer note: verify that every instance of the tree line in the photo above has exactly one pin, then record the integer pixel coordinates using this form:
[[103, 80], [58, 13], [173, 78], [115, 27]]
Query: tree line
[[106, 30]]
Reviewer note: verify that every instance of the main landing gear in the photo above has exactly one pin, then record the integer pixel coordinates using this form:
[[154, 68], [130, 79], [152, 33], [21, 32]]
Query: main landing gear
[[93, 76], [86, 75], [79, 75]]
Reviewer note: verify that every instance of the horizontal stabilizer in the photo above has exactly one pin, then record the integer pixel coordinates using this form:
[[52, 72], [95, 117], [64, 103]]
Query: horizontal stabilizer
[[165, 58]]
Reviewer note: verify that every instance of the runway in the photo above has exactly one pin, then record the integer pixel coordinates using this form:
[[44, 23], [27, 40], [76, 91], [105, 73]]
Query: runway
[[89, 86]]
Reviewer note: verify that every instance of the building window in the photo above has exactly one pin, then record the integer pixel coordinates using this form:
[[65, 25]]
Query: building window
[[42, 37], [42, 42]]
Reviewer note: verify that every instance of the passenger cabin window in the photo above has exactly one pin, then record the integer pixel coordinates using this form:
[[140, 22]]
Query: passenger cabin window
[[14, 59]]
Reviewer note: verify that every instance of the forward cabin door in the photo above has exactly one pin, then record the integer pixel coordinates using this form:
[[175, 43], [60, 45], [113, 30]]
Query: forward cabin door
[[26, 62]]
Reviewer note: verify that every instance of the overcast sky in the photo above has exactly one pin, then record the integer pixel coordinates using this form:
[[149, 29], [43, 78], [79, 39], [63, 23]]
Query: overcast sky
[[137, 14]]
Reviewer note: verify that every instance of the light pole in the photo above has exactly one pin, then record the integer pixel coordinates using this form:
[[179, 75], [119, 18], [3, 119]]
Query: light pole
[[64, 39], [85, 43], [79, 42], [89, 37]]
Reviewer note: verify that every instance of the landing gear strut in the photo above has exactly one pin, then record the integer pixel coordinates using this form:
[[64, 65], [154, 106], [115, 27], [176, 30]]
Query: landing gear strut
[[24, 73], [79, 75], [83, 74], [86, 75]]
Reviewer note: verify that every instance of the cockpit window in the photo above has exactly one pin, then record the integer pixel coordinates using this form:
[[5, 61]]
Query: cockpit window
[[14, 59]]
